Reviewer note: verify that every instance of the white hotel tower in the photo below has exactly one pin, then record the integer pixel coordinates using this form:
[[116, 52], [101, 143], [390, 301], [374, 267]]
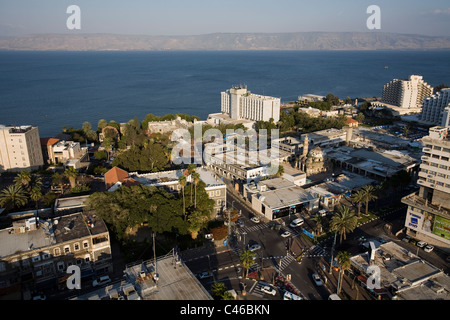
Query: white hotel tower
[[434, 108], [240, 104]]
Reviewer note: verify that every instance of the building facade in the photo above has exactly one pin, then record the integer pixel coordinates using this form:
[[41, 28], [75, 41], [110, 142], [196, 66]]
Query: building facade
[[428, 215], [20, 148], [240, 104], [407, 94], [433, 111], [35, 253]]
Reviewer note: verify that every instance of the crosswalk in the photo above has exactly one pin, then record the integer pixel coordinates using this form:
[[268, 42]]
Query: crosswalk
[[316, 251], [256, 227]]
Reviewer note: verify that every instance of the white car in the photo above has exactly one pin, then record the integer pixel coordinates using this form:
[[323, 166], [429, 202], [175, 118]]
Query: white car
[[428, 248], [297, 222], [255, 219], [421, 244], [285, 234], [101, 281], [317, 280], [268, 290], [254, 247]]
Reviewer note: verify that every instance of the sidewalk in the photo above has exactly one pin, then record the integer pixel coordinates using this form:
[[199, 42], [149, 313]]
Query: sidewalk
[[348, 291]]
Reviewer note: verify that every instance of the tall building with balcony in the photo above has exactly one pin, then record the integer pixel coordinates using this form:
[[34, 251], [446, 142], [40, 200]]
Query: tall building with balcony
[[405, 96], [433, 110], [428, 215], [20, 148], [240, 104]]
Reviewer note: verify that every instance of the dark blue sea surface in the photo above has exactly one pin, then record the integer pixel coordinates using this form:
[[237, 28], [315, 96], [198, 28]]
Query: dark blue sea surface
[[53, 89]]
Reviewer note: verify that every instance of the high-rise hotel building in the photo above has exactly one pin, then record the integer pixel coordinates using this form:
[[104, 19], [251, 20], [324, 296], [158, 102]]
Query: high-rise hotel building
[[433, 111], [428, 215], [240, 104], [20, 148], [406, 96]]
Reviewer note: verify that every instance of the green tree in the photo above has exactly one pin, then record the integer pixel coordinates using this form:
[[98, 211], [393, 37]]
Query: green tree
[[23, 179], [36, 196], [13, 196], [358, 198], [320, 222], [182, 181], [196, 178], [343, 260], [343, 222], [59, 179], [369, 194], [247, 261], [72, 175]]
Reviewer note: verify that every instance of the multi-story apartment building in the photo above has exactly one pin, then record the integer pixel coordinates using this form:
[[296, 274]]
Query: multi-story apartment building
[[406, 96], [428, 215], [240, 104], [20, 148], [433, 110], [35, 253]]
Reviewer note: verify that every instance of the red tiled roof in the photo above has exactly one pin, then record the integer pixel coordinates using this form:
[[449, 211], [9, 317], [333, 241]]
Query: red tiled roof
[[351, 121], [48, 141], [115, 175]]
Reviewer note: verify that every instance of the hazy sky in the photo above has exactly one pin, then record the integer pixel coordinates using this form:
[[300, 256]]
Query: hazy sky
[[177, 17]]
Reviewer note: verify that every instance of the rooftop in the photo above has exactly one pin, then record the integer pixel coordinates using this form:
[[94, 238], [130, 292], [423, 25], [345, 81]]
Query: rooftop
[[405, 272]]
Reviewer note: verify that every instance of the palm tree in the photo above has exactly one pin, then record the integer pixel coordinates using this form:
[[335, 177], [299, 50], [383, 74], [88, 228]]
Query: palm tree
[[13, 197], [369, 193], [196, 178], [72, 174], [191, 169], [182, 181], [319, 224], [246, 262], [36, 195], [343, 222], [343, 259], [358, 198], [23, 179]]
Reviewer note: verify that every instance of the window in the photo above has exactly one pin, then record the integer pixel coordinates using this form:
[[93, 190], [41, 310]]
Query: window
[[76, 246], [66, 249], [85, 244], [36, 258], [60, 266], [46, 255], [217, 192], [57, 252]]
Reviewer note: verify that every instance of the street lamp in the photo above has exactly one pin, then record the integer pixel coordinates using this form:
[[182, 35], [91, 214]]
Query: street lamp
[[332, 250]]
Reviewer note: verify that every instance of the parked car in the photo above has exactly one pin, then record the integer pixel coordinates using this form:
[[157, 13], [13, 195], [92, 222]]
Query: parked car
[[322, 213], [206, 274], [40, 297], [406, 239], [421, 244], [240, 223], [297, 222], [255, 219], [413, 241], [285, 234], [254, 247], [317, 280], [268, 290], [101, 281], [428, 248]]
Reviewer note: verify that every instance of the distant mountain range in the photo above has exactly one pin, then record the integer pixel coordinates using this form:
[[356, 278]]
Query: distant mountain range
[[226, 41]]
